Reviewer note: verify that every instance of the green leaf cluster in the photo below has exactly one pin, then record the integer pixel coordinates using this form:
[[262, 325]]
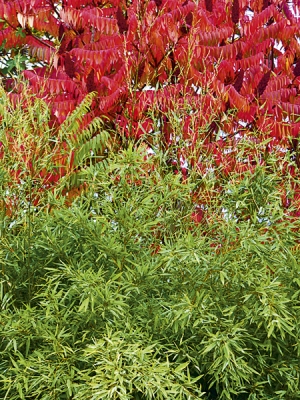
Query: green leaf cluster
[[122, 294]]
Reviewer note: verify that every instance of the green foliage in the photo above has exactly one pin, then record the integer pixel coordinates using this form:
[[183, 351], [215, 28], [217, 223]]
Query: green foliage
[[122, 295], [13, 61], [37, 155]]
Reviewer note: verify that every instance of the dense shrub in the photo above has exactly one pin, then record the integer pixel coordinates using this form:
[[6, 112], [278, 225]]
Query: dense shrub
[[136, 290]]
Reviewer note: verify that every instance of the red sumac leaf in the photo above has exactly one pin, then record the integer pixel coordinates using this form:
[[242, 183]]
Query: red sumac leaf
[[189, 19], [209, 5], [248, 62], [90, 83], [213, 38], [239, 56], [61, 31], [122, 22], [239, 81], [69, 65], [263, 83], [235, 12], [259, 20], [184, 29], [73, 17], [141, 69], [237, 101], [292, 111], [266, 4], [288, 12]]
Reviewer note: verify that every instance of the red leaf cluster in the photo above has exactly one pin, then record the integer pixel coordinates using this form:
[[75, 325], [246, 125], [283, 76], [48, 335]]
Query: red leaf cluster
[[204, 59]]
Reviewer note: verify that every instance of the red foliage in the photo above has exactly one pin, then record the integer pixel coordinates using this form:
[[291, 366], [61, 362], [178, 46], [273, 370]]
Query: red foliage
[[204, 57]]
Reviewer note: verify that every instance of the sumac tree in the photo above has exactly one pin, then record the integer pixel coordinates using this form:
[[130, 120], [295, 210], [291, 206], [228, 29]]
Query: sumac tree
[[193, 78]]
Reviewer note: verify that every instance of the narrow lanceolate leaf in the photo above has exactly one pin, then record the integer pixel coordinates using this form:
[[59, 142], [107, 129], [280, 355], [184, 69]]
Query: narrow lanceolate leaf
[[90, 81], [239, 80], [189, 19], [263, 83], [235, 13], [69, 65], [122, 22]]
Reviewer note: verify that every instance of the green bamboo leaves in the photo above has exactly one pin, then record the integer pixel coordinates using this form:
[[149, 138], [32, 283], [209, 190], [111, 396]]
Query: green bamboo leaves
[[123, 296]]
